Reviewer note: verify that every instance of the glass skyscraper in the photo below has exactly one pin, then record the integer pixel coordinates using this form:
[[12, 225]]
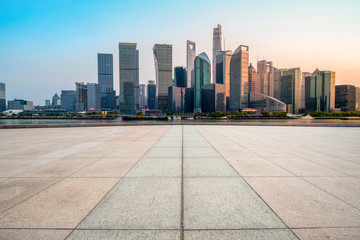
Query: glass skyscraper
[[2, 97], [68, 100], [180, 77], [239, 79], [217, 35], [127, 77], [151, 95], [136, 86], [266, 72], [290, 89], [106, 81], [163, 72], [223, 59], [202, 77], [190, 58]]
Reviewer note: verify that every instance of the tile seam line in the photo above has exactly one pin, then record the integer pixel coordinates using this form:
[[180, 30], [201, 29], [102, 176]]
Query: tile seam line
[[295, 175], [182, 186], [112, 188], [248, 184]]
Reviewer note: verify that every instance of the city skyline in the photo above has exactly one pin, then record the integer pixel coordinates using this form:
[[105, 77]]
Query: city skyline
[[56, 56]]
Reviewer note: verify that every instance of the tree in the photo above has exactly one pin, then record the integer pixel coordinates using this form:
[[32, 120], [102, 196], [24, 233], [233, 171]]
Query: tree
[[140, 113], [265, 114]]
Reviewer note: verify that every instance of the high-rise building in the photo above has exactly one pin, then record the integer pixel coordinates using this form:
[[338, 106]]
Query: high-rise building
[[202, 77], [151, 94], [189, 100], [357, 106], [142, 103], [290, 89], [217, 36], [93, 97], [137, 86], [266, 72], [223, 59], [190, 58], [47, 103], [176, 99], [239, 79], [2, 97], [213, 97], [303, 76], [106, 81], [68, 100], [180, 77], [277, 80], [163, 72], [81, 97], [127, 74], [20, 104], [56, 101], [254, 80], [345, 97]]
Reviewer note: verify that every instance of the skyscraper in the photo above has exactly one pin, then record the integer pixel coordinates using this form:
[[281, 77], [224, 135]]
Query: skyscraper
[[106, 81], [303, 76], [151, 94], [239, 79], [290, 89], [213, 97], [176, 99], [93, 97], [265, 70], [202, 77], [81, 97], [345, 98], [254, 80], [222, 66], [142, 103], [56, 101], [180, 77], [127, 74], [163, 72], [137, 87], [277, 79], [217, 36], [68, 100], [190, 58], [2, 97]]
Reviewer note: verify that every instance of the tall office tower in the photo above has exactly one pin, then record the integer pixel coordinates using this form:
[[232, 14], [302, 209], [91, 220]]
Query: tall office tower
[[68, 100], [303, 76], [93, 97], [151, 94], [202, 77], [56, 101], [254, 80], [190, 58], [290, 89], [2, 97], [189, 100], [239, 79], [213, 97], [47, 103], [277, 80], [81, 97], [180, 77], [222, 66], [127, 74], [163, 72], [176, 99], [217, 36], [142, 102], [357, 105], [345, 97], [265, 70], [137, 87], [106, 81]]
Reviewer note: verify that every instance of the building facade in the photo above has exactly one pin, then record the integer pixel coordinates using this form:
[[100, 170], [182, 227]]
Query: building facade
[[176, 99], [277, 80], [68, 100], [2, 97], [254, 80], [213, 98], [127, 75], [106, 81], [93, 97], [223, 59], [137, 83], [217, 36], [303, 76], [81, 97], [180, 76], [262, 102], [56, 100], [345, 97], [239, 79], [202, 77], [20, 104], [163, 73], [190, 58], [151, 95], [290, 89], [142, 103], [266, 72]]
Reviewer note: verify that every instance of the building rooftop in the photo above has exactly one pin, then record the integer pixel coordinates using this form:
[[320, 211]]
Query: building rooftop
[[180, 182]]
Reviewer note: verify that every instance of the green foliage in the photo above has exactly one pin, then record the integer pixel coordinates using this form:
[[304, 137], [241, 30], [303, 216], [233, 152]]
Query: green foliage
[[227, 113], [237, 113], [243, 114], [216, 114], [279, 114], [265, 114], [140, 113], [335, 114], [169, 113]]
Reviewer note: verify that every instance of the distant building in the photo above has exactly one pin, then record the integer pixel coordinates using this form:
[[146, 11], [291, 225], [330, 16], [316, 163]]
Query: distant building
[[163, 72], [320, 91], [223, 59], [68, 100], [357, 99], [106, 81], [128, 74], [266, 72], [290, 89], [20, 104], [217, 36], [180, 77], [190, 58], [47, 103], [202, 77], [176, 99], [151, 95], [189, 100], [277, 80], [213, 97], [93, 97], [142, 102], [81, 97], [136, 83], [345, 97], [239, 79], [303, 76], [2, 97], [56, 101], [262, 102], [254, 80]]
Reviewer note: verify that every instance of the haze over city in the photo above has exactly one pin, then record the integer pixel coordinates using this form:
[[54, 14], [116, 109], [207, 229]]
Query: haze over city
[[48, 46]]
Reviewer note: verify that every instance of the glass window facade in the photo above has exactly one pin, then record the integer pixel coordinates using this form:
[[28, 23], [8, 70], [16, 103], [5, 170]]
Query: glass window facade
[[202, 77]]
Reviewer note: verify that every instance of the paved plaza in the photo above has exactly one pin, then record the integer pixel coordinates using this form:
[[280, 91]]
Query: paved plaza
[[180, 182]]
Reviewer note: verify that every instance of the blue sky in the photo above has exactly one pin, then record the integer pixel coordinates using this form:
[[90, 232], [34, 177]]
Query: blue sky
[[47, 46]]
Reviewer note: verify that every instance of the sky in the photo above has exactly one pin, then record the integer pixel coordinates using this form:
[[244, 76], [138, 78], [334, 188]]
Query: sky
[[47, 46]]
